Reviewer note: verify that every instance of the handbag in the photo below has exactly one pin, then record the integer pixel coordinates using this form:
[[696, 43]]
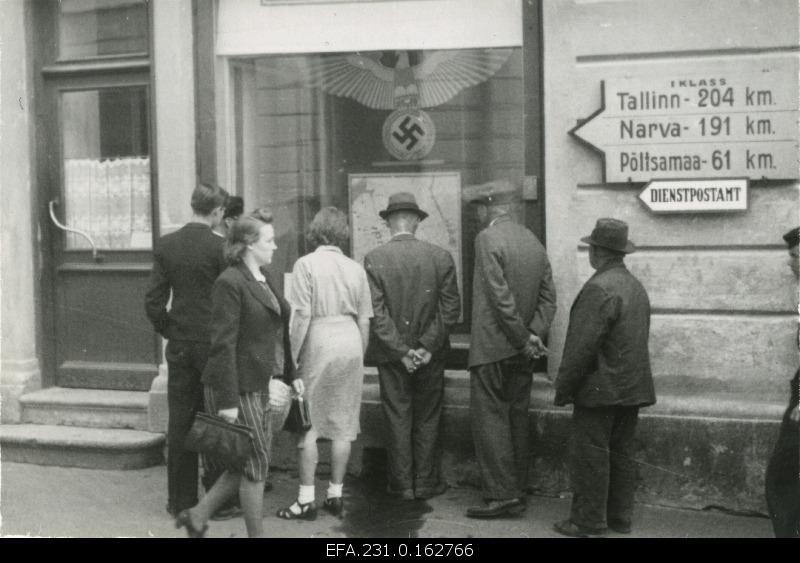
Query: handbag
[[228, 443], [298, 420]]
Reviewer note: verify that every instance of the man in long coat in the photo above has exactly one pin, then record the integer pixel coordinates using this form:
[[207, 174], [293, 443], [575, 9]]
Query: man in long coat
[[783, 469], [605, 373], [415, 301], [513, 304]]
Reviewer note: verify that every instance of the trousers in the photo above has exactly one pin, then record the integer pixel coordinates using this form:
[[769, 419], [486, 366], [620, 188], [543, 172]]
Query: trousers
[[602, 466], [412, 406], [500, 394], [185, 362]]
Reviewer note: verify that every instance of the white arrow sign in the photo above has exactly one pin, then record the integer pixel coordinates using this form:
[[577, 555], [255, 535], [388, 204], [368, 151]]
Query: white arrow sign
[[696, 196], [726, 119]]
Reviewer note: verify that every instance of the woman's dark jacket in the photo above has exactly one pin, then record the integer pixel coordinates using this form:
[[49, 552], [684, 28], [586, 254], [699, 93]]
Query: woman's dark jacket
[[249, 337]]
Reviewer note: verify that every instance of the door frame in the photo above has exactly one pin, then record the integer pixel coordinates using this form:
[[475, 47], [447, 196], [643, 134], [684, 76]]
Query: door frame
[[52, 76]]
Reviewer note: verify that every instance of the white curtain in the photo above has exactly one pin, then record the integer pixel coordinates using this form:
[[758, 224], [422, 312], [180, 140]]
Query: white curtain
[[110, 200]]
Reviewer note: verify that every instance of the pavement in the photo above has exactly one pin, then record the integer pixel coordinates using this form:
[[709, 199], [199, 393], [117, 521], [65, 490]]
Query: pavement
[[48, 501]]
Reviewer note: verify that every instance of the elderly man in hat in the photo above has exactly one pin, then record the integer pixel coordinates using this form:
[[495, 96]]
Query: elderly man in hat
[[513, 304], [783, 469], [415, 301], [605, 373]]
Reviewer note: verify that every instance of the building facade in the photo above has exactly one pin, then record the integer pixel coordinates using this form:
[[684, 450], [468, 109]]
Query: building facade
[[680, 118]]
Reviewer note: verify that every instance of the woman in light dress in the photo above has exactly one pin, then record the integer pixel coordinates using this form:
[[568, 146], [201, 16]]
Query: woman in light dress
[[331, 311]]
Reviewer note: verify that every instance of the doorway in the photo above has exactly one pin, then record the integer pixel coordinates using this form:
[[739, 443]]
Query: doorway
[[96, 184]]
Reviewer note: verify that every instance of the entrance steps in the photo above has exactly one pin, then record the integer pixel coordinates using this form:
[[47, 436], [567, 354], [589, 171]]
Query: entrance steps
[[92, 408], [89, 428]]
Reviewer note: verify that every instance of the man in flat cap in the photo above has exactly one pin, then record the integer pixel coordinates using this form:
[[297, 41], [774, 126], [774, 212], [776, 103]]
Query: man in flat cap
[[513, 304], [783, 469], [605, 373], [416, 301]]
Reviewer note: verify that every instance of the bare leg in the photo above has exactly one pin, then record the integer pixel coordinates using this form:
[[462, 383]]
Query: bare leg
[[340, 454], [251, 495], [225, 487], [307, 458]]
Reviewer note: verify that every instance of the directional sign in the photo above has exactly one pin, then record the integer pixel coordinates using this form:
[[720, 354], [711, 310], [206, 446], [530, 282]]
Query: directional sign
[[695, 196], [730, 118]]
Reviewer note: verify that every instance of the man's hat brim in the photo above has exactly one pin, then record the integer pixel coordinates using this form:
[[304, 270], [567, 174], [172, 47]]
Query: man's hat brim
[[386, 212], [629, 247]]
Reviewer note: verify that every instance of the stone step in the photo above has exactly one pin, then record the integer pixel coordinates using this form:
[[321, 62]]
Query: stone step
[[70, 446], [93, 408]]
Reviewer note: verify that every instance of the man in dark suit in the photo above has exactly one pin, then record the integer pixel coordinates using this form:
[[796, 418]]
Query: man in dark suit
[[605, 373], [513, 304], [185, 265], [783, 470], [416, 301]]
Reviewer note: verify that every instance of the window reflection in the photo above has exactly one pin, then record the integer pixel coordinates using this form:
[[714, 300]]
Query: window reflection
[[308, 126], [107, 167], [92, 28]]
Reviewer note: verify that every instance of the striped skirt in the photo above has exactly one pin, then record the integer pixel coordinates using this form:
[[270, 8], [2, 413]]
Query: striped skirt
[[254, 412]]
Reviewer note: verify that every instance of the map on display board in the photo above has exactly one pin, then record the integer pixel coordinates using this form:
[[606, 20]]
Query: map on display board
[[437, 193]]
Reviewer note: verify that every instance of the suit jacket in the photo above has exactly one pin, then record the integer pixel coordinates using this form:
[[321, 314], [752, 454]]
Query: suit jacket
[[606, 360], [512, 292], [415, 298], [249, 337], [185, 264]]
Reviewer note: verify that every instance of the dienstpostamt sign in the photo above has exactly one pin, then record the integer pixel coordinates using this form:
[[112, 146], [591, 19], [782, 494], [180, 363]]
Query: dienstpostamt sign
[[681, 196], [730, 118]]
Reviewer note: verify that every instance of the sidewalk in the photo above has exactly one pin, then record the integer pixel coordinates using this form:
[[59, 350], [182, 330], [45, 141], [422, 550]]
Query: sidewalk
[[41, 501]]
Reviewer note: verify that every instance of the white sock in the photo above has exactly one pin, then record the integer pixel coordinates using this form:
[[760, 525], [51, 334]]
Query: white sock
[[334, 490], [306, 494]]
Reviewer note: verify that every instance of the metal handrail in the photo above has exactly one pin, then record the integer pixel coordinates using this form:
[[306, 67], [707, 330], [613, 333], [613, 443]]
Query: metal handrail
[[63, 227]]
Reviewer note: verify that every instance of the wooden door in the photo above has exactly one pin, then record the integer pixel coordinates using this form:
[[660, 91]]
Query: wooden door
[[96, 192]]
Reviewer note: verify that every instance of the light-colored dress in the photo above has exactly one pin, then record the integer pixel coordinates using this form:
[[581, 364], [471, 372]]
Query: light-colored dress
[[333, 291]]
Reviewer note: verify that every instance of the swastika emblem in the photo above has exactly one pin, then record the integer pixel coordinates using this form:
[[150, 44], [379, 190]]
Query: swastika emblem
[[409, 134]]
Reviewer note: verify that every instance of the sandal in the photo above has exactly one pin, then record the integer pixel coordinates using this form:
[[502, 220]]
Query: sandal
[[308, 511], [184, 520]]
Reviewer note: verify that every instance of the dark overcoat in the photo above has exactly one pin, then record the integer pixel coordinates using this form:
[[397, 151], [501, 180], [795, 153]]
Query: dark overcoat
[[606, 361], [415, 298], [783, 472], [512, 292]]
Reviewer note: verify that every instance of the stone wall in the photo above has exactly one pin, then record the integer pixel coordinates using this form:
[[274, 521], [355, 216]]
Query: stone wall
[[20, 368]]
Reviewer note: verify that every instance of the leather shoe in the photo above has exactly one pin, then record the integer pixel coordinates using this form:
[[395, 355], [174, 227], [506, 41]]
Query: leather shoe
[[227, 513], [620, 526], [424, 493], [405, 494], [497, 509], [569, 528], [334, 506], [184, 520]]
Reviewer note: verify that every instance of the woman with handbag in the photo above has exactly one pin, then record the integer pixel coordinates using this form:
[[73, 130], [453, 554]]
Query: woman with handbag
[[249, 346], [331, 311]]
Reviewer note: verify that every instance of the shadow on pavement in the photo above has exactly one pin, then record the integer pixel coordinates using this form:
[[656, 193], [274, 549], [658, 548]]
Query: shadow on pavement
[[371, 513]]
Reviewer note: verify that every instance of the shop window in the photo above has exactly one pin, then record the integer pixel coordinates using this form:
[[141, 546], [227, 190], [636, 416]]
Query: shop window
[[315, 130], [98, 28], [107, 167]]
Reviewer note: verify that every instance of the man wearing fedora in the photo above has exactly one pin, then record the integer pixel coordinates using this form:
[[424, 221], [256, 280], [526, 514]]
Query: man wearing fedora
[[415, 301], [513, 304], [605, 374]]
